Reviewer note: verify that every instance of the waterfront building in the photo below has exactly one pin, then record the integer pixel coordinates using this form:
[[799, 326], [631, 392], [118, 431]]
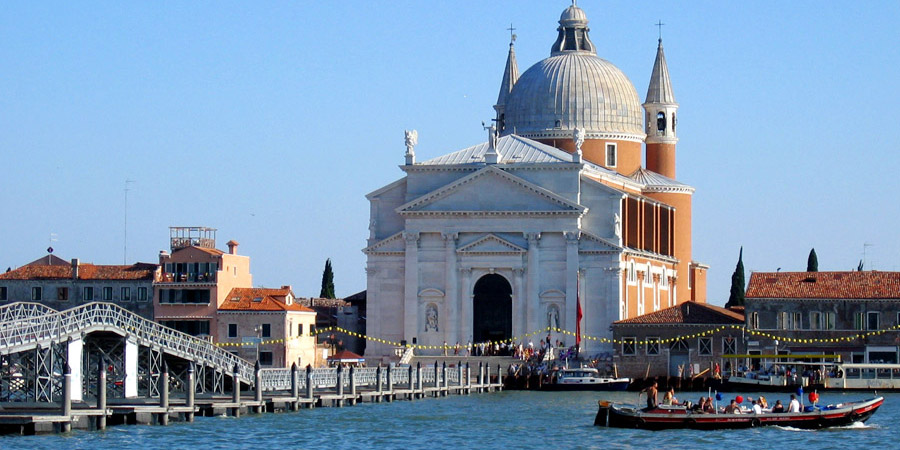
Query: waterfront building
[[816, 311], [684, 339], [337, 313], [553, 214], [268, 325], [196, 278], [58, 284]]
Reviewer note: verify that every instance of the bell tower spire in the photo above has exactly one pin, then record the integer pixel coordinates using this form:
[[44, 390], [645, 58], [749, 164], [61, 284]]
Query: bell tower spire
[[661, 121], [510, 77]]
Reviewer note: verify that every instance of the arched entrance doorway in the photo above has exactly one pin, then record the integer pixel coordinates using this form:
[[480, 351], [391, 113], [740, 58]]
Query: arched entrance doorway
[[492, 309]]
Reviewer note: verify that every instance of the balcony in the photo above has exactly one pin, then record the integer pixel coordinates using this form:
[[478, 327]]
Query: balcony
[[175, 278]]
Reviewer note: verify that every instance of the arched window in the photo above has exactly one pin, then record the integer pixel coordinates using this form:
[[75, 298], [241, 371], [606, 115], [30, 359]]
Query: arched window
[[661, 123], [674, 122]]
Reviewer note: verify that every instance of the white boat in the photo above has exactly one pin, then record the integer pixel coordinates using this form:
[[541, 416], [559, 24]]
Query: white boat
[[586, 379], [865, 377]]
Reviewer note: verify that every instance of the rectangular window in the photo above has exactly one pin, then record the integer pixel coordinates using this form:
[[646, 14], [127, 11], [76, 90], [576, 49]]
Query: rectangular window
[[610, 155], [107, 293], [872, 322], [183, 296], [3, 295], [299, 329], [798, 321], [126, 294], [142, 294], [265, 358], [729, 345], [232, 330], [754, 320], [62, 293], [266, 330], [859, 321], [829, 321], [628, 346], [87, 294], [653, 346], [37, 293], [705, 346], [815, 320]]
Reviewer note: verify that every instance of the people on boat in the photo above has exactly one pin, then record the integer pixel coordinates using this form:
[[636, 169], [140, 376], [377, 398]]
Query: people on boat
[[733, 408], [669, 398], [757, 409], [708, 406], [763, 403], [651, 392], [794, 405], [699, 406], [778, 407]]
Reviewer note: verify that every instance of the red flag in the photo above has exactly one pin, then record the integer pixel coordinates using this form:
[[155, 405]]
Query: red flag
[[578, 316]]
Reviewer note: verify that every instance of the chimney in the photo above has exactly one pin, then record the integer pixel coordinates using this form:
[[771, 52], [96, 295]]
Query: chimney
[[232, 247], [75, 264]]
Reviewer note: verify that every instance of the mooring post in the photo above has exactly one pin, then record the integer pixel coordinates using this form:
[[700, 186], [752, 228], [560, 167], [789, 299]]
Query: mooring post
[[164, 394], [420, 384], [101, 393], [67, 399], [295, 387], [236, 390], [459, 368], [191, 393], [390, 384], [339, 385], [352, 385], [378, 381], [310, 389], [412, 386], [258, 387], [445, 383], [487, 376], [468, 378]]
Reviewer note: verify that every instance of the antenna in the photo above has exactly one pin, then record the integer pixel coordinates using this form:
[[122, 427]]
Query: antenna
[[125, 238], [866, 246], [52, 239]]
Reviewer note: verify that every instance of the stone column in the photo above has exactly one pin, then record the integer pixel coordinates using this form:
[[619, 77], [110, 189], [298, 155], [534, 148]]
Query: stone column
[[533, 283], [450, 313], [191, 391], [74, 351], [520, 303], [465, 305], [571, 279], [411, 287]]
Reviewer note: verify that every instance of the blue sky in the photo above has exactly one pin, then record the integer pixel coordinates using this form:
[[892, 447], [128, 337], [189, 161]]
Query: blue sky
[[271, 121]]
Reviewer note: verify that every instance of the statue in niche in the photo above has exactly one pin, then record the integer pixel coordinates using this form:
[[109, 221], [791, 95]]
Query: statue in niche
[[431, 317], [553, 316], [618, 226]]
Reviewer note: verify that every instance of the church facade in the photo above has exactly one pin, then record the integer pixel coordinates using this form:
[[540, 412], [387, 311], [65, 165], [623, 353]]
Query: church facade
[[553, 213]]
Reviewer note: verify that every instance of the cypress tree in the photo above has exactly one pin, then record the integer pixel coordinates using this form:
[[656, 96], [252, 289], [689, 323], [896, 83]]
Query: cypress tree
[[327, 281], [812, 263], [736, 298]]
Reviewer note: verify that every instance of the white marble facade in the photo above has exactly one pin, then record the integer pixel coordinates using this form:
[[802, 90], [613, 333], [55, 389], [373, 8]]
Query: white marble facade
[[544, 223]]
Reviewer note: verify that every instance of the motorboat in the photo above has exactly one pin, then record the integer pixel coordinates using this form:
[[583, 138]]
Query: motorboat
[[674, 417], [585, 379]]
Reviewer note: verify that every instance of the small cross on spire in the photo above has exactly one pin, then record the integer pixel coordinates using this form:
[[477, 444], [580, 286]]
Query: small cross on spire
[[512, 36], [659, 25]]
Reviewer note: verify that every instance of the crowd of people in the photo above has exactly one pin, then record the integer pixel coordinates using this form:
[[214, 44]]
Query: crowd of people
[[705, 404]]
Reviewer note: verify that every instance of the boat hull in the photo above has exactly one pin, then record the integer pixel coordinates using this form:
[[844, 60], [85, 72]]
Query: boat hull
[[611, 415], [613, 386]]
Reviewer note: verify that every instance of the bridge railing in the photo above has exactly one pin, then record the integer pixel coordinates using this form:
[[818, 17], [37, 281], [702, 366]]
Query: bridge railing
[[59, 326], [14, 312], [326, 377]]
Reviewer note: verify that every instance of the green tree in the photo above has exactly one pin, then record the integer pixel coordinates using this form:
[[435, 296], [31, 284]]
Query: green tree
[[736, 298], [812, 263], [327, 281]]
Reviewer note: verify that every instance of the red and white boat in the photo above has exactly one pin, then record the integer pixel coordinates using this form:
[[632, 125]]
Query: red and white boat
[[673, 417]]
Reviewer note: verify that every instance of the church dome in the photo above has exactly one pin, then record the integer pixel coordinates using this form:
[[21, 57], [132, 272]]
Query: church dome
[[573, 88]]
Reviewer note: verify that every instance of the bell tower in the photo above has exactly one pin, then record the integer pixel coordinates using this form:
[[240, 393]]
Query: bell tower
[[661, 120]]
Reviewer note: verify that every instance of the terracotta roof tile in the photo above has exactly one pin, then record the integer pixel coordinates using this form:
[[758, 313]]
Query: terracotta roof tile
[[824, 285], [345, 354], [688, 313], [260, 299], [138, 271]]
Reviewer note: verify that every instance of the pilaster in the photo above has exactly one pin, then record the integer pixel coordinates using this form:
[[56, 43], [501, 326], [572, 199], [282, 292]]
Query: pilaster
[[411, 286]]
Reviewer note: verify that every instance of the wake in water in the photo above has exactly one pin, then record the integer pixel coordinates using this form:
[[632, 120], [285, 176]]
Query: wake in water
[[852, 426]]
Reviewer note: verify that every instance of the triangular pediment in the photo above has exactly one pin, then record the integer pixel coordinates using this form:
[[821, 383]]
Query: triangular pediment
[[491, 191], [491, 243], [391, 244], [590, 243]]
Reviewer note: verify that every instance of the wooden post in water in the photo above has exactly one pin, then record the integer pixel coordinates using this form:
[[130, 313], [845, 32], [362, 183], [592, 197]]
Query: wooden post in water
[[480, 376], [257, 388], [66, 426], [340, 386], [101, 393], [295, 387], [378, 381], [310, 389], [437, 380], [352, 385], [411, 380], [468, 378], [236, 391], [445, 382], [390, 385], [420, 385], [164, 394], [191, 393]]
